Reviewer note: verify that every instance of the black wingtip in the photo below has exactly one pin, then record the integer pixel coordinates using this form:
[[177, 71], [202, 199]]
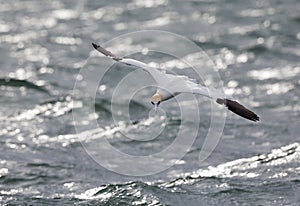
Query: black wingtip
[[238, 109], [106, 52], [95, 45]]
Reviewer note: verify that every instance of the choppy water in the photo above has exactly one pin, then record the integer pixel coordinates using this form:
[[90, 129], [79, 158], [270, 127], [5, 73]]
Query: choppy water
[[44, 44]]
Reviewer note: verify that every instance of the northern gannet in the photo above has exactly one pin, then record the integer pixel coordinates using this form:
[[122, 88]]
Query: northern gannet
[[169, 85]]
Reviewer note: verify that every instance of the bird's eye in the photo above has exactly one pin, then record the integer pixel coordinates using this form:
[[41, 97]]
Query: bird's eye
[[158, 103], [152, 103]]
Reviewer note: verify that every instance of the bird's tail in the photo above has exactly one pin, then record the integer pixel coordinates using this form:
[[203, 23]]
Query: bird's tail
[[238, 109]]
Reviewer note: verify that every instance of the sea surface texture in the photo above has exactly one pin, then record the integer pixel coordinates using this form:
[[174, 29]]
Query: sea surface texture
[[62, 122]]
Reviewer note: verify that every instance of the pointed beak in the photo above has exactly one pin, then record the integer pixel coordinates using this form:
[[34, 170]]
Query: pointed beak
[[155, 107]]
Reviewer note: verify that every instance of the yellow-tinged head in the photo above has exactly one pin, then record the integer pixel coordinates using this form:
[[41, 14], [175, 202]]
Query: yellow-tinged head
[[156, 99]]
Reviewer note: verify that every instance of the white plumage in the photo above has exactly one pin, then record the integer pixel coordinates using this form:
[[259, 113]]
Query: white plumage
[[169, 85]]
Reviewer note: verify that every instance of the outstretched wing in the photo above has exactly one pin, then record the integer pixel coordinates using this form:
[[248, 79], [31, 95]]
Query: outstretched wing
[[230, 103], [238, 109], [157, 75], [106, 53]]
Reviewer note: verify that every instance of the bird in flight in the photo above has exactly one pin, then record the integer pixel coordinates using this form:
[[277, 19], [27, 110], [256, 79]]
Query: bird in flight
[[169, 85]]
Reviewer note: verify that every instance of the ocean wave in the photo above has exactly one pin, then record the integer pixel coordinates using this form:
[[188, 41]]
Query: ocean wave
[[214, 181]]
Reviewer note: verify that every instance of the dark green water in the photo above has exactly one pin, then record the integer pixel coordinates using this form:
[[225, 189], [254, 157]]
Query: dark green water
[[255, 47]]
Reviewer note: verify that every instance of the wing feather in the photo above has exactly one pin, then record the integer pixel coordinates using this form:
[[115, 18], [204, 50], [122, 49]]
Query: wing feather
[[229, 102], [105, 52], [157, 75], [238, 109]]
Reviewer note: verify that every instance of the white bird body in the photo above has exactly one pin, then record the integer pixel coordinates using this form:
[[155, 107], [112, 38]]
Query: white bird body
[[169, 85]]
